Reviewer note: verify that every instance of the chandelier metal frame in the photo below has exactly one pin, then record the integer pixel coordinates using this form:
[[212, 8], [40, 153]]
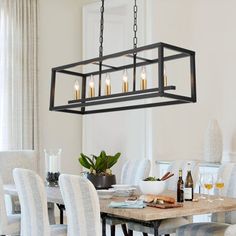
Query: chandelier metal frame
[[79, 106]]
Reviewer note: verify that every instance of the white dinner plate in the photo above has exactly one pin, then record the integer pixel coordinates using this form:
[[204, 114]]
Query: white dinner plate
[[105, 193], [121, 186]]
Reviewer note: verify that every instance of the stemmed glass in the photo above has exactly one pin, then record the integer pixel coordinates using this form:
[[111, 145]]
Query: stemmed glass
[[208, 184], [201, 186], [219, 184]]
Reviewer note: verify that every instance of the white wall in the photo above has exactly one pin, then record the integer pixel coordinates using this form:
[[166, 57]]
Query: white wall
[[117, 131], [208, 28], [177, 131], [59, 43]]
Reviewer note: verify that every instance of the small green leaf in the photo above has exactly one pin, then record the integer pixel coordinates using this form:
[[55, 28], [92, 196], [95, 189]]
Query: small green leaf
[[84, 163], [113, 160], [99, 165], [89, 160]]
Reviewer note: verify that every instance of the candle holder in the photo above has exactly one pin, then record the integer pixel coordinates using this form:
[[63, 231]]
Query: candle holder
[[52, 166]]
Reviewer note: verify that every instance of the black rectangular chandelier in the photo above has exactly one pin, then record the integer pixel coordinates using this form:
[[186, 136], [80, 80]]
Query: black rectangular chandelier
[[91, 99]]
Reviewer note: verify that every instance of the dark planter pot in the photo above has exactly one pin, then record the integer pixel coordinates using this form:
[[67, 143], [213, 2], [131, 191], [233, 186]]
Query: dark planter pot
[[102, 182]]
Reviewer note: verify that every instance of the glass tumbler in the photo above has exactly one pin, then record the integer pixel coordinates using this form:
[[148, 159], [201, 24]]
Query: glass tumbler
[[52, 166]]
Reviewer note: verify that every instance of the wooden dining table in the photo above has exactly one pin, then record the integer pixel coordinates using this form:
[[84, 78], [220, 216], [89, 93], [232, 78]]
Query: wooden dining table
[[147, 216]]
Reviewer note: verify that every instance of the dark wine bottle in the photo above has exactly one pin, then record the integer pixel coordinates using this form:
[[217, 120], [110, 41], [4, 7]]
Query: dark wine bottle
[[188, 190], [180, 188]]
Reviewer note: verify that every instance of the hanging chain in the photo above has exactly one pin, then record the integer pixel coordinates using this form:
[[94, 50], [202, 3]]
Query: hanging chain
[[101, 30], [135, 27]]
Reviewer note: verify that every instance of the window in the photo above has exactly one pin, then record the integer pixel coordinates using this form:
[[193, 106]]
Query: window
[[18, 77]]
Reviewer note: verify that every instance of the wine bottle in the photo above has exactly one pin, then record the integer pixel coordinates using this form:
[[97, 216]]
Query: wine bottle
[[180, 188], [188, 190]]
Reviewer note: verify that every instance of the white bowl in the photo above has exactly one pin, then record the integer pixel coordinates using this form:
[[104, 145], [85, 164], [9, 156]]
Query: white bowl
[[152, 187], [121, 186], [105, 193]]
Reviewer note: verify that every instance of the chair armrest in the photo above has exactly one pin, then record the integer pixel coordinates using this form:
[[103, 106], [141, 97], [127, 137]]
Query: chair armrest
[[12, 204]]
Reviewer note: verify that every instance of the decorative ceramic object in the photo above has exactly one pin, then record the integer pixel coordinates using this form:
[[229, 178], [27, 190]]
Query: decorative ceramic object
[[213, 143]]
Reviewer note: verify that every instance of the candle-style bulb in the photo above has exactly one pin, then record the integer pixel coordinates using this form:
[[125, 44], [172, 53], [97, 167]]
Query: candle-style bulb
[[143, 73], [125, 76], [143, 79], [108, 84], [125, 86], [91, 81], [77, 90], [108, 79], [91, 87]]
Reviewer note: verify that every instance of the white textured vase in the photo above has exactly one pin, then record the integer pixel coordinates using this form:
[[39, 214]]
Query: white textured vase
[[213, 143]]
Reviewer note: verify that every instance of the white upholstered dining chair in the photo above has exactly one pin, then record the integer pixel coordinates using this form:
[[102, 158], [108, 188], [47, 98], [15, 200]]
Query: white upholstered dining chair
[[132, 172], [169, 226], [207, 229], [221, 221], [33, 200], [9, 224], [174, 167], [82, 206], [10, 160]]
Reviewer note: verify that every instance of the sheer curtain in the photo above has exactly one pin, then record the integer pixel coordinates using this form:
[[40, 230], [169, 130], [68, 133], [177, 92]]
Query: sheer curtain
[[18, 74]]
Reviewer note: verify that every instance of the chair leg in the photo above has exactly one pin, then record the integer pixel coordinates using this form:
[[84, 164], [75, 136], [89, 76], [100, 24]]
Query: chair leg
[[113, 230], [145, 234], [130, 232], [124, 229]]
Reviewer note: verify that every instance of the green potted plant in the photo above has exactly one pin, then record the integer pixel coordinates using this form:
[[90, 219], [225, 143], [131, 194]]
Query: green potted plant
[[99, 167]]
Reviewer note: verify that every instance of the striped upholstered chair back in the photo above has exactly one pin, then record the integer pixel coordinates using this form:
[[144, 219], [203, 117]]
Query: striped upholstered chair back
[[33, 202], [9, 224], [82, 206], [228, 173], [183, 164], [3, 213], [133, 171]]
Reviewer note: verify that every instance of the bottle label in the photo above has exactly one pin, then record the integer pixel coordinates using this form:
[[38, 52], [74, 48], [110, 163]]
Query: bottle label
[[188, 193]]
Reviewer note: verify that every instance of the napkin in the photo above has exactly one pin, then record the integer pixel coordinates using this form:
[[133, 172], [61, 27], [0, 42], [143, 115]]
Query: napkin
[[131, 205]]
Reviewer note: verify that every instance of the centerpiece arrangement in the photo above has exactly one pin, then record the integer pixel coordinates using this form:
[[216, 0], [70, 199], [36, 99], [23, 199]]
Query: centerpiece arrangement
[[153, 185], [100, 173]]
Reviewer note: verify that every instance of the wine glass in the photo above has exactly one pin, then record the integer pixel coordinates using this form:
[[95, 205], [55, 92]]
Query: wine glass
[[219, 184], [201, 186], [208, 184]]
